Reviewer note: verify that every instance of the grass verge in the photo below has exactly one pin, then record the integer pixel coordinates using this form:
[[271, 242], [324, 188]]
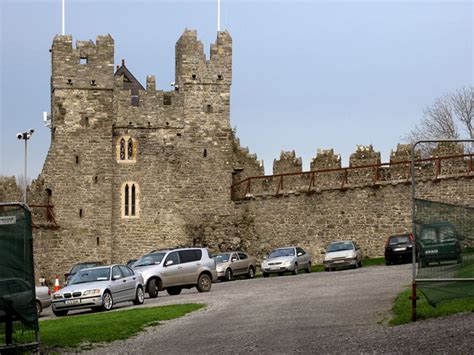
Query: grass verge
[[71, 332], [402, 308]]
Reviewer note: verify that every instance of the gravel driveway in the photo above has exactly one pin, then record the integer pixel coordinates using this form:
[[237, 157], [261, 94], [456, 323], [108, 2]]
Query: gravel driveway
[[336, 312]]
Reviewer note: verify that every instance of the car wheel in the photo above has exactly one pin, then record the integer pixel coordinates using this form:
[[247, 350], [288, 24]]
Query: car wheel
[[265, 274], [59, 313], [251, 273], [360, 263], [139, 296], [107, 301], [204, 283], [280, 274], [228, 275], [326, 269], [173, 291], [308, 269], [356, 265], [295, 269], [387, 262], [152, 288], [39, 308]]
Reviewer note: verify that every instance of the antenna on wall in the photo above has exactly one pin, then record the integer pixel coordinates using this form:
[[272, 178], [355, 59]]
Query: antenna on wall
[[218, 15], [63, 26]]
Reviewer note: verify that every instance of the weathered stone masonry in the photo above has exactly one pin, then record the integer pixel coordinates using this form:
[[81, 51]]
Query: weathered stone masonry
[[132, 169]]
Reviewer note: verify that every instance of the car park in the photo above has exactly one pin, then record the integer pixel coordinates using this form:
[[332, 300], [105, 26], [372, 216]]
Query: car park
[[438, 242], [43, 298], [288, 259], [398, 249], [78, 267], [175, 269], [232, 264], [340, 254], [99, 288]]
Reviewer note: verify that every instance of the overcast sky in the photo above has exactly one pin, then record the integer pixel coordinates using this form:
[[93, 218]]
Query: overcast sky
[[306, 74]]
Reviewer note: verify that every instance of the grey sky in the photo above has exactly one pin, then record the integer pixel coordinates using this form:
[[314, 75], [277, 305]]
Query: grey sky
[[306, 74]]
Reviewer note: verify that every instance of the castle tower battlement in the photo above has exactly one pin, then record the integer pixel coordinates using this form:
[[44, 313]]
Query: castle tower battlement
[[89, 65]]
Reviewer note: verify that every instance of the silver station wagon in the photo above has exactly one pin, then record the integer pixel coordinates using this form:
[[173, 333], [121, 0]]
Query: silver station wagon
[[99, 288], [290, 259], [232, 264]]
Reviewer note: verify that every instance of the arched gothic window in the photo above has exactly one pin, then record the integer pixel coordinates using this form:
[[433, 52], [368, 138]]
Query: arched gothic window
[[130, 200], [126, 150]]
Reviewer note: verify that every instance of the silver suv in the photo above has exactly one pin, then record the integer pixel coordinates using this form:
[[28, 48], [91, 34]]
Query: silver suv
[[175, 269]]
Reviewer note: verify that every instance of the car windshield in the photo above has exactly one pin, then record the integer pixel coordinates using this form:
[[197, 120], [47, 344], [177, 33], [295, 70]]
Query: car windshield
[[91, 275], [222, 258], [281, 252], [150, 259], [79, 267], [399, 239], [339, 246]]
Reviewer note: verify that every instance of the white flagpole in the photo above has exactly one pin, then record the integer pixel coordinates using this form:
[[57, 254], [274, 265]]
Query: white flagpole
[[218, 15], [63, 26]]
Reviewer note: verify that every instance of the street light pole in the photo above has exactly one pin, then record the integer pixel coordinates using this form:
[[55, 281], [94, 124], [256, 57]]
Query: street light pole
[[25, 136]]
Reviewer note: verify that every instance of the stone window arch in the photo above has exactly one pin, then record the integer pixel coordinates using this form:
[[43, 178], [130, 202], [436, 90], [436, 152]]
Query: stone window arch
[[130, 199], [126, 149]]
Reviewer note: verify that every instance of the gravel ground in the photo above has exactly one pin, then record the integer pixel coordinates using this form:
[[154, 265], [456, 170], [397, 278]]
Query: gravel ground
[[337, 312]]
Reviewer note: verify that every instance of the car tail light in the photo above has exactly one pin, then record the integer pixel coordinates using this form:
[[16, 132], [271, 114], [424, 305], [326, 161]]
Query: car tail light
[[49, 292], [411, 237]]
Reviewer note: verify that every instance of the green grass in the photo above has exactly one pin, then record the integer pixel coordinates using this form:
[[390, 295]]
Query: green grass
[[402, 308], [373, 261], [71, 332]]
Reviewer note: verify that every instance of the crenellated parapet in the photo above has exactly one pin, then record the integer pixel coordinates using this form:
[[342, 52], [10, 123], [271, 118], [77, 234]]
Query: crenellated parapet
[[326, 159], [192, 67], [365, 170], [89, 65], [288, 163]]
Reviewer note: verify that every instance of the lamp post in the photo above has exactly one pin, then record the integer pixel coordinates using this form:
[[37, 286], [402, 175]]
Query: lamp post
[[25, 136]]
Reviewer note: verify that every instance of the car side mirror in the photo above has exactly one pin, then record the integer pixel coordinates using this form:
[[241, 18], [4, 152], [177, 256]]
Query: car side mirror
[[233, 259], [300, 253], [169, 262], [116, 277]]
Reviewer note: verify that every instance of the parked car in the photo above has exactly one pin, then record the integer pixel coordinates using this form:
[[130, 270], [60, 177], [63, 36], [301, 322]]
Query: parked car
[[99, 288], [399, 248], [43, 298], [78, 267], [175, 269], [235, 263], [438, 242], [288, 259], [131, 262], [342, 254]]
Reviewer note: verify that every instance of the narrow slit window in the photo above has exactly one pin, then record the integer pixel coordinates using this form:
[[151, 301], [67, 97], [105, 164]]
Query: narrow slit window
[[132, 213], [126, 200], [77, 159], [204, 153]]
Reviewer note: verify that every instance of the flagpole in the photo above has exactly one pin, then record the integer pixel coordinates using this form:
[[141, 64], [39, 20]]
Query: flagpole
[[218, 15], [63, 26]]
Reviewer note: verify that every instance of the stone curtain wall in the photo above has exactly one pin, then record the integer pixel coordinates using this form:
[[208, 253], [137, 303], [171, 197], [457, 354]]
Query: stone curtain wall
[[9, 190], [365, 214]]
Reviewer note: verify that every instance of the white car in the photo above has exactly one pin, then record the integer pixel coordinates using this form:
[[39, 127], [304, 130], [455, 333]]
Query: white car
[[290, 259], [43, 298], [342, 254]]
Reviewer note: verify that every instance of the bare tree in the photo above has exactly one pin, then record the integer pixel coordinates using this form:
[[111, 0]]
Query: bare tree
[[449, 117]]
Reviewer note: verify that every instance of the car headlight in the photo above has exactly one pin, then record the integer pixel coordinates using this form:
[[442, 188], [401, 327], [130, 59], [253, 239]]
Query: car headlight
[[93, 292], [57, 296]]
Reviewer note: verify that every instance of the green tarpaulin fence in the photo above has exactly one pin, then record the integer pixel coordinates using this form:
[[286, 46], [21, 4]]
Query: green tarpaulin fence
[[18, 318]]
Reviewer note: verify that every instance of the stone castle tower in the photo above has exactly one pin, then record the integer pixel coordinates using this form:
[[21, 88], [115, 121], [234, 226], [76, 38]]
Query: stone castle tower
[[130, 169]]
